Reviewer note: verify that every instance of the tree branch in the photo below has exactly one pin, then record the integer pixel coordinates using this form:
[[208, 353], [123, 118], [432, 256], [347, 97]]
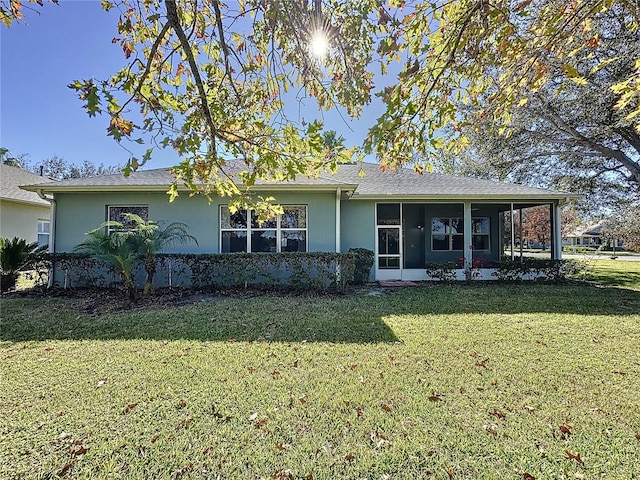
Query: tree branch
[[174, 21]]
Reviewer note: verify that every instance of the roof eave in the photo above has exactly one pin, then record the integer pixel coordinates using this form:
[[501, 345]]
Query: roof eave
[[165, 188], [462, 198]]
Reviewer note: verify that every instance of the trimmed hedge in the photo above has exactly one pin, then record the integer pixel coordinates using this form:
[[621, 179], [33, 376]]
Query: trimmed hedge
[[535, 268], [288, 270], [363, 264]]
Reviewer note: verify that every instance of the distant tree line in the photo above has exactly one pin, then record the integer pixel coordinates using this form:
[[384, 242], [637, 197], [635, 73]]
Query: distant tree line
[[57, 167]]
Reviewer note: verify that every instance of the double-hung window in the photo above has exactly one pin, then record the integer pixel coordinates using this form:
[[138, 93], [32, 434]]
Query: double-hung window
[[116, 213], [481, 230], [448, 233], [43, 232], [241, 232]]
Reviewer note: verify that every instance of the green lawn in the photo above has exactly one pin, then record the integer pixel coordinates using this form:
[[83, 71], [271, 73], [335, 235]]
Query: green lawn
[[438, 381]]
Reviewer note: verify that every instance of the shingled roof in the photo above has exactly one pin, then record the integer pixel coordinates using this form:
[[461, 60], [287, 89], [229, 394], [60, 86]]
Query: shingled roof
[[11, 178], [402, 184]]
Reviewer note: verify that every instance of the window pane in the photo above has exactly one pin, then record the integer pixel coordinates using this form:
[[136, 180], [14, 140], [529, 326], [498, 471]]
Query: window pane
[[232, 220], [457, 225], [388, 262], [294, 217], [43, 226], [388, 241], [458, 242], [263, 241], [441, 242], [43, 240], [439, 227], [480, 225], [271, 223], [293, 241], [234, 242], [117, 213], [481, 242], [388, 213]]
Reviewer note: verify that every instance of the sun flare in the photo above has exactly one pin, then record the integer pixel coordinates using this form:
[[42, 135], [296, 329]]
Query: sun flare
[[319, 44]]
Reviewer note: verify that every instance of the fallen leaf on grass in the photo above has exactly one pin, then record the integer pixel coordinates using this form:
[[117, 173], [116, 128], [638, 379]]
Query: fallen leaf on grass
[[275, 374], [129, 407], [435, 398], [385, 407], [565, 429], [528, 476], [349, 457], [450, 473], [302, 399], [63, 471], [491, 428], [183, 470], [529, 408], [571, 456], [638, 437], [482, 363], [283, 474], [183, 423], [497, 414]]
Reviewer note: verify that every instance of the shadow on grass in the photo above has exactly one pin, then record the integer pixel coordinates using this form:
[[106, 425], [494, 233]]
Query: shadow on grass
[[355, 318]]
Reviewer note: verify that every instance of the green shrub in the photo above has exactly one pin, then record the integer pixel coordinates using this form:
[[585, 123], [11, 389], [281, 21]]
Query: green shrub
[[16, 255], [443, 271], [538, 269], [363, 264]]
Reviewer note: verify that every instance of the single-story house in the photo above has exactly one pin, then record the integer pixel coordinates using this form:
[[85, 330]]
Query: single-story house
[[23, 214], [588, 236], [405, 218]]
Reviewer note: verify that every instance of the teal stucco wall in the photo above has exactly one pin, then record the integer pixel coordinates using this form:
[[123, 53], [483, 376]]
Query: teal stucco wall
[[78, 213]]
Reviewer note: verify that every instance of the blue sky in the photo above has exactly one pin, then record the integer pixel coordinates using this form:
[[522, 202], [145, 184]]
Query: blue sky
[[41, 117]]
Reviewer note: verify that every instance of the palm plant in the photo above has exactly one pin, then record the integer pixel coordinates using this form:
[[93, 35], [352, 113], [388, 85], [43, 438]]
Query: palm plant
[[114, 247], [16, 255], [150, 238]]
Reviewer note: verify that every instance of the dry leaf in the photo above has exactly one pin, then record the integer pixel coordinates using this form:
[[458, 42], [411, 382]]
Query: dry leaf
[[498, 414], [528, 476], [385, 407], [571, 456]]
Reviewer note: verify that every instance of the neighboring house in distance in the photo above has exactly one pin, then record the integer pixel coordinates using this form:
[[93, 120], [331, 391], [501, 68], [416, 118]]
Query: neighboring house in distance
[[587, 236], [405, 218], [23, 213]]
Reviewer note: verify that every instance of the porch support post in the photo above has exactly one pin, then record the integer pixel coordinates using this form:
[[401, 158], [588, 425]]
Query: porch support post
[[338, 235], [468, 251], [513, 232], [556, 229], [520, 234]]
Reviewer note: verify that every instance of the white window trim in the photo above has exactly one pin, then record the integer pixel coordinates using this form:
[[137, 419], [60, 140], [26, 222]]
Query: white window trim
[[278, 229]]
